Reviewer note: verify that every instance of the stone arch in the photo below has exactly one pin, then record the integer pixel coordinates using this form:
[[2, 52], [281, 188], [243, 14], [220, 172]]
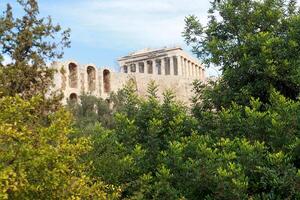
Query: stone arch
[[91, 78], [106, 80], [73, 75], [73, 97]]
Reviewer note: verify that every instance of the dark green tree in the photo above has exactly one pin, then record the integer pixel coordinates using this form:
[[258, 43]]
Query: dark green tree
[[30, 42], [161, 152], [256, 45], [91, 110]]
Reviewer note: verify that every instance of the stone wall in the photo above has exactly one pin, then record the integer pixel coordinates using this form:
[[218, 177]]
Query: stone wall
[[74, 79]]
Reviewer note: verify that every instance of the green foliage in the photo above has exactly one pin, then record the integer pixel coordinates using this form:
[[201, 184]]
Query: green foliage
[[256, 100], [127, 154], [204, 168], [278, 125], [40, 161], [256, 44], [241, 140], [126, 99], [161, 152], [91, 110], [30, 42]]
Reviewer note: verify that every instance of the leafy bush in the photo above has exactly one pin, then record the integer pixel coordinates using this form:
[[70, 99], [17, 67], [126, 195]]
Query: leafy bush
[[39, 161]]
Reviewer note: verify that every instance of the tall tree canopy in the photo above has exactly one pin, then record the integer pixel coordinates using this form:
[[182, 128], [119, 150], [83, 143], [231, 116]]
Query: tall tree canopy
[[256, 44], [30, 42]]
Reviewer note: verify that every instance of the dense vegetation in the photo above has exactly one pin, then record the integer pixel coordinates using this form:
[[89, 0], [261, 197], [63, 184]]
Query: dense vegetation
[[256, 45], [158, 151], [39, 157], [238, 140]]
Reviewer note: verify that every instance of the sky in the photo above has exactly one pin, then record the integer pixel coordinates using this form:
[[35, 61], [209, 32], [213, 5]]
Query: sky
[[104, 30]]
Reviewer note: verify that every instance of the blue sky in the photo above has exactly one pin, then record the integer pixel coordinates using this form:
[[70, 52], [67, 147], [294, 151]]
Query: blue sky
[[104, 30]]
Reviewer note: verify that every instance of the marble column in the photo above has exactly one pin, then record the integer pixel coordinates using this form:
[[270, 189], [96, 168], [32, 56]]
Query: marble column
[[193, 69], [129, 68], [171, 66], [185, 67], [189, 68], [180, 67], [146, 67], [137, 68], [162, 63], [154, 69], [199, 72]]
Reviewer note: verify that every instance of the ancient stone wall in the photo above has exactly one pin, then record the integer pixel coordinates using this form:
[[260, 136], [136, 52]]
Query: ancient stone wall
[[169, 68]]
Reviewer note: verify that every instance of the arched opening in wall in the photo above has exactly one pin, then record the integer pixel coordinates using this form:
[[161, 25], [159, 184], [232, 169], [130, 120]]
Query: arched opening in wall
[[141, 67], [167, 66], [150, 67], [175, 61], [125, 68], [73, 75], [91, 78], [106, 80], [73, 98]]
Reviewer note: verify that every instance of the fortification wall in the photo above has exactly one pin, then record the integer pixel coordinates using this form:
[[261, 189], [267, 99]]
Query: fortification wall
[[179, 85], [74, 79], [170, 68]]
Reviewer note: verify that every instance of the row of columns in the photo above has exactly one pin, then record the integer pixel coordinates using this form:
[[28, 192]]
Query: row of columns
[[174, 65], [190, 69]]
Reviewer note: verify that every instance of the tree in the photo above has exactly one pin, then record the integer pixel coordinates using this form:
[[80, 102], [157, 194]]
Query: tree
[[127, 154], [91, 110], [30, 42], [39, 161], [200, 167], [161, 152], [256, 44], [40, 157]]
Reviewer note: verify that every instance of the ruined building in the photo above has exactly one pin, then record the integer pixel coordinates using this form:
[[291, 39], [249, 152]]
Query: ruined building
[[170, 68]]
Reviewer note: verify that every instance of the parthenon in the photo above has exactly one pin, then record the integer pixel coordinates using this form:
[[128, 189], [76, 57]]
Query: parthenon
[[167, 61], [170, 68]]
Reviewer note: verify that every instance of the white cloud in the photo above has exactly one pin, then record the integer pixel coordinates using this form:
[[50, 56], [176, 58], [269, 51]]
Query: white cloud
[[129, 24], [139, 22]]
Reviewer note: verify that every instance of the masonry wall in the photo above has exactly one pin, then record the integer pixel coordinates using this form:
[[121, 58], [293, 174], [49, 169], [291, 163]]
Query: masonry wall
[[74, 83], [181, 86]]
